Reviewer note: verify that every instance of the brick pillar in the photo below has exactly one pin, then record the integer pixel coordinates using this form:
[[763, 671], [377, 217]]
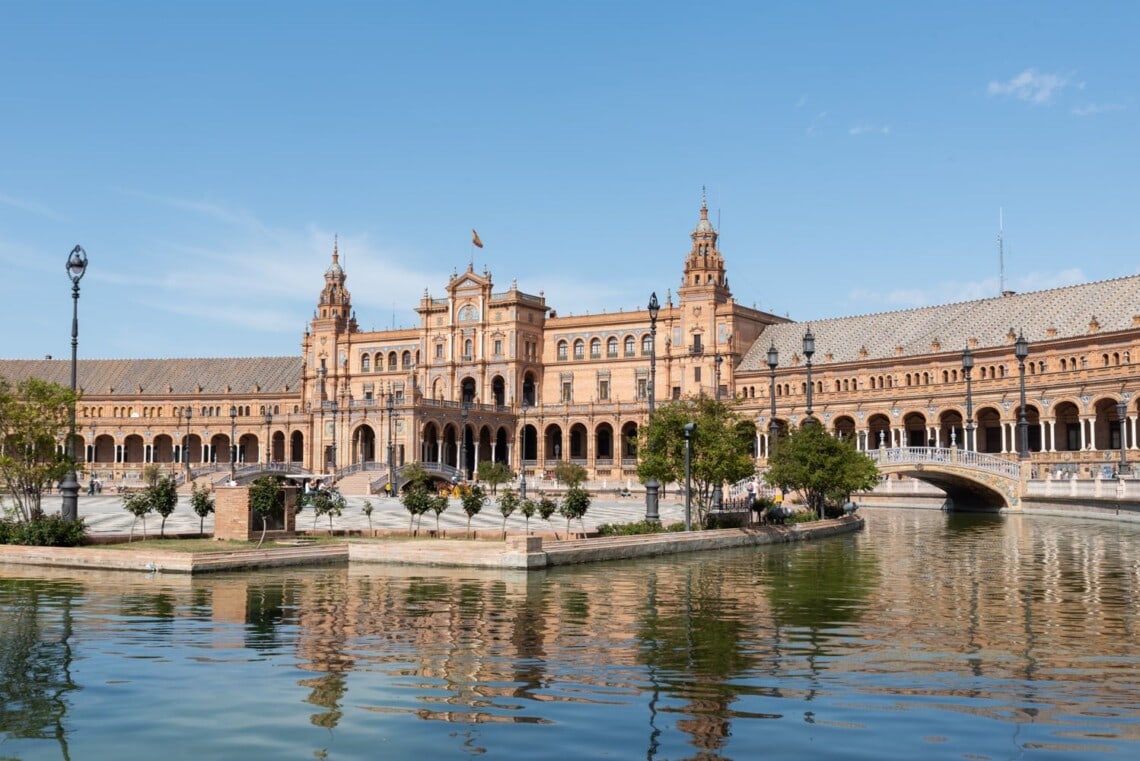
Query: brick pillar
[[233, 518]]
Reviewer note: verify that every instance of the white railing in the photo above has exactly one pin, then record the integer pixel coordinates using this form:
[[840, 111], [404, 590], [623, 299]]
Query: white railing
[[947, 456]]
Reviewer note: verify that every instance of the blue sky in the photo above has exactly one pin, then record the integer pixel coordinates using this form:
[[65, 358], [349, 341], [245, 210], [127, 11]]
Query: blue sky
[[855, 154]]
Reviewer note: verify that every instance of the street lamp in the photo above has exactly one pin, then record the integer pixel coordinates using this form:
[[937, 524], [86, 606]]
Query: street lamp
[[1122, 416], [967, 368], [391, 406], [719, 360], [652, 485], [689, 428], [268, 435], [233, 444], [809, 350], [1021, 351], [186, 444], [173, 445], [69, 488], [463, 442], [773, 426], [522, 454]]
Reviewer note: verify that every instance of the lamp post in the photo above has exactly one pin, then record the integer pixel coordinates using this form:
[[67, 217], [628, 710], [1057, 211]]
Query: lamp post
[[186, 444], [69, 488], [233, 444], [463, 442], [689, 428], [652, 485], [1122, 415], [719, 359], [332, 449], [173, 444], [1021, 351], [391, 407], [522, 454], [268, 435], [967, 368], [809, 350], [773, 427]]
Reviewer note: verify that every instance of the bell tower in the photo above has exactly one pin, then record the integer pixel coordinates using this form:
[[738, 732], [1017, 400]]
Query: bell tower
[[704, 278]]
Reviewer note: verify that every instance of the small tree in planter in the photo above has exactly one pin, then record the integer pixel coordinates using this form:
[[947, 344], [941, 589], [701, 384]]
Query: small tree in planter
[[327, 502], [417, 501], [137, 504], [473, 500], [163, 498], [546, 509], [437, 504], [366, 508], [202, 503], [574, 505], [508, 503], [494, 474], [265, 496], [528, 507]]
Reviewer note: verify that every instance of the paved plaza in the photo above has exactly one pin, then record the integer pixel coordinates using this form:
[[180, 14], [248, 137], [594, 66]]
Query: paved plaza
[[105, 514]]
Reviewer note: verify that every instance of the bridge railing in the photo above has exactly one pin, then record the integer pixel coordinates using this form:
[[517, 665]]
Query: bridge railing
[[947, 456]]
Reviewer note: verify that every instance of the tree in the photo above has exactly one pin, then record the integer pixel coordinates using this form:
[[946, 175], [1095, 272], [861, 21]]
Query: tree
[[138, 504], [437, 504], [719, 449], [35, 417], [820, 467], [417, 501], [366, 508], [328, 502], [574, 505], [570, 473], [163, 498], [494, 474], [547, 508], [508, 503], [202, 503], [473, 500], [265, 497], [528, 508]]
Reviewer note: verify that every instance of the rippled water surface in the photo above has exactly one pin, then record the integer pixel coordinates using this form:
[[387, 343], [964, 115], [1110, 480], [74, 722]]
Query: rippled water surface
[[928, 636]]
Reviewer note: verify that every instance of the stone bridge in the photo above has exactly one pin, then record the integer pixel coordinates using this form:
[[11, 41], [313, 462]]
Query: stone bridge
[[972, 479]]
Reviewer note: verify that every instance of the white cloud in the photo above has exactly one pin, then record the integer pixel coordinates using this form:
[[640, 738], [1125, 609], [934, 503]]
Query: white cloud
[[1032, 86], [28, 206], [1094, 109], [816, 122], [870, 129]]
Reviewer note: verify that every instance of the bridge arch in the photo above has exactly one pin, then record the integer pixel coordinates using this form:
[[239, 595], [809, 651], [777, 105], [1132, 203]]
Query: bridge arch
[[971, 480]]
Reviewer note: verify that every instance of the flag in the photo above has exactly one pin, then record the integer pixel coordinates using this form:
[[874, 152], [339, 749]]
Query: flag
[[475, 239]]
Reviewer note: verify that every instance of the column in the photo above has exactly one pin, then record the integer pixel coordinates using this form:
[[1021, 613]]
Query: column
[[1052, 435], [1083, 437], [1004, 445]]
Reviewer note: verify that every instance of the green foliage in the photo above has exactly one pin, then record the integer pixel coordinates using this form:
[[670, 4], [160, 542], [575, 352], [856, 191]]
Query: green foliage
[[417, 500], [473, 500], [34, 417], [163, 499], [528, 507], [508, 503], [414, 475], [366, 508], [574, 505], [151, 473], [437, 504], [547, 508], [266, 496], [328, 502], [138, 504], [631, 529], [202, 503], [570, 473], [494, 474], [47, 531], [720, 447], [820, 467]]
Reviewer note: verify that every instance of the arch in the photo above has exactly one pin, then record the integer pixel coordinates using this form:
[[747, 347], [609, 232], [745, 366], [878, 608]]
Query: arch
[[529, 388], [498, 391], [406, 360], [646, 345], [363, 444], [430, 440], [630, 345], [879, 429], [134, 450], [392, 359], [277, 447], [579, 442], [951, 430], [552, 443], [1106, 425], [844, 427], [562, 350], [366, 363], [163, 451], [603, 441], [1067, 427], [914, 427], [595, 348], [629, 433], [987, 437], [467, 390], [579, 349], [612, 347], [297, 447]]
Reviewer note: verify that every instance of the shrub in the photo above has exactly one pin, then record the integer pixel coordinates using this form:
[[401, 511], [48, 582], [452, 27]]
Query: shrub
[[48, 531]]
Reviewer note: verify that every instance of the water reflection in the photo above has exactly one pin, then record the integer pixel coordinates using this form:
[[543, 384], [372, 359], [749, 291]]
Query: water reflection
[[940, 636]]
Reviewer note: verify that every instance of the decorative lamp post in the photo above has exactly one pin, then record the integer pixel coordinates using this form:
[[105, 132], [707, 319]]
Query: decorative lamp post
[[268, 435], [809, 350], [391, 406], [463, 442], [967, 368], [1021, 351], [719, 360], [233, 444], [69, 487], [186, 443], [1122, 416], [773, 427], [332, 448], [689, 429], [652, 485], [173, 445], [522, 454]]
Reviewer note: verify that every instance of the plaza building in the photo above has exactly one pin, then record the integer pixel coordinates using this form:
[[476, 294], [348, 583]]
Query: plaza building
[[496, 374]]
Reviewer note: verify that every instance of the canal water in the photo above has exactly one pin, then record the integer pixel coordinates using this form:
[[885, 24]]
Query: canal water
[[927, 636]]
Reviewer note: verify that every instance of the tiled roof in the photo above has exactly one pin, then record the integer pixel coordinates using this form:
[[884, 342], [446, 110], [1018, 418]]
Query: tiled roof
[[1113, 304], [96, 377]]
